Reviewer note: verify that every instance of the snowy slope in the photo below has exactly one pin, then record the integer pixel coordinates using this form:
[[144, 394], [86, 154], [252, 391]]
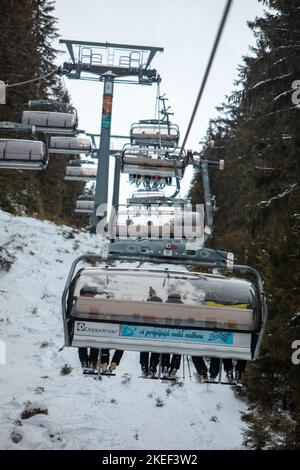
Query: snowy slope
[[115, 413]]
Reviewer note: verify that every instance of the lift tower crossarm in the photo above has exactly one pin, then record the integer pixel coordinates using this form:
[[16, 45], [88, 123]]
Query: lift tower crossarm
[[110, 63], [152, 49], [122, 60]]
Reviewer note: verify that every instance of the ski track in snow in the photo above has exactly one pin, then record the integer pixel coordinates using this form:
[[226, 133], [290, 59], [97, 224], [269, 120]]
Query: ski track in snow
[[84, 413]]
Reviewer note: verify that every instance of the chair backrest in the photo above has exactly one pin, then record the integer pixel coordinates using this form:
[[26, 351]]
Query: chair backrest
[[174, 298], [154, 298], [49, 119], [26, 150]]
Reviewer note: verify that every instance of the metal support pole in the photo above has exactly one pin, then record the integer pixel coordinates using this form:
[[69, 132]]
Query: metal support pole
[[159, 366], [220, 370], [207, 195], [101, 194], [2, 93], [116, 190]]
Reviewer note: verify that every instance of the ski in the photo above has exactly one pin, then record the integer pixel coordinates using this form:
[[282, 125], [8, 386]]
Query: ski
[[87, 372], [216, 382], [149, 377]]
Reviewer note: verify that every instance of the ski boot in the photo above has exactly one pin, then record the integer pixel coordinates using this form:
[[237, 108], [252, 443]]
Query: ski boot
[[202, 376], [238, 377], [85, 367], [229, 376], [112, 367], [152, 372], [165, 372], [93, 365]]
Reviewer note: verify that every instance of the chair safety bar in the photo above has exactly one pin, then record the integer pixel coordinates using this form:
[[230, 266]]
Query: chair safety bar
[[235, 267]]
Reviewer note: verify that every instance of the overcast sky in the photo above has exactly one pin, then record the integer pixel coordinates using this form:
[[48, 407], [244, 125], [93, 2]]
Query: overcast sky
[[186, 30]]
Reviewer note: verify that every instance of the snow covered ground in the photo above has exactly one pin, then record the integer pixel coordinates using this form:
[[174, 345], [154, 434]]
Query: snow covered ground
[[118, 412]]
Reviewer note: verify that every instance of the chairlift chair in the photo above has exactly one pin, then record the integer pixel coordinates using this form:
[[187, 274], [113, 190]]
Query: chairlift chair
[[22, 154], [156, 222], [151, 162], [80, 173], [144, 194], [152, 183], [220, 315], [70, 145], [148, 198], [143, 197], [85, 204], [51, 122], [154, 133], [80, 161]]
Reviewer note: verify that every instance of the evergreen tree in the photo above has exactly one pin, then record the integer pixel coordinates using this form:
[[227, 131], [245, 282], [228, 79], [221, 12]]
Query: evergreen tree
[[27, 31], [258, 218]]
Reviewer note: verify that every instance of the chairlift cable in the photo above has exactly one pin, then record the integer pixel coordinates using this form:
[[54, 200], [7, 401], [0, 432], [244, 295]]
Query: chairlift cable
[[208, 67], [156, 101], [10, 85], [158, 113]]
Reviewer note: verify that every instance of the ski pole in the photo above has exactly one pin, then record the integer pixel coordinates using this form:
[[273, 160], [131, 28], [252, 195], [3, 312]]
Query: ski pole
[[99, 363], [159, 365], [189, 366]]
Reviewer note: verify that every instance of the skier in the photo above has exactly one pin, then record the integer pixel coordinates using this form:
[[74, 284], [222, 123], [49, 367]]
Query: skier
[[239, 369], [88, 356], [104, 366], [202, 370], [165, 365], [173, 366], [169, 366], [144, 356], [149, 368]]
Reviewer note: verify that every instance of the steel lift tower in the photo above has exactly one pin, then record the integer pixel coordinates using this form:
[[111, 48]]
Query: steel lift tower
[[108, 63]]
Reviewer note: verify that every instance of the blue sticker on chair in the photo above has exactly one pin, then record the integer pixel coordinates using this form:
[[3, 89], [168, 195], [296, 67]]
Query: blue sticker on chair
[[176, 334]]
